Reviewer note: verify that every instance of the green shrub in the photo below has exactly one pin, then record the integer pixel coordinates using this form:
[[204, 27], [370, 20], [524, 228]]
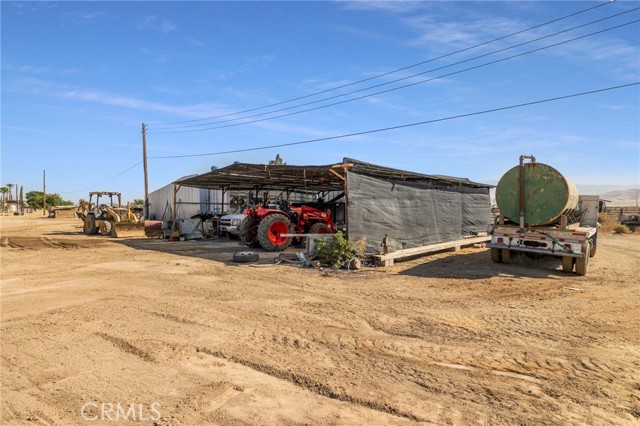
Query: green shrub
[[621, 229], [336, 251]]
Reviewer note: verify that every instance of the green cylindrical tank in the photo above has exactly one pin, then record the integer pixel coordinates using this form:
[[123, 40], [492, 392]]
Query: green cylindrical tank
[[547, 194]]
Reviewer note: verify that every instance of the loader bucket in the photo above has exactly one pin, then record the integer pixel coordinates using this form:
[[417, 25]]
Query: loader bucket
[[128, 229]]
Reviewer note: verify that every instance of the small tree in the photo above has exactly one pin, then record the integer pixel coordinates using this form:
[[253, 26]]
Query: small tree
[[339, 249], [278, 161], [138, 202], [34, 199]]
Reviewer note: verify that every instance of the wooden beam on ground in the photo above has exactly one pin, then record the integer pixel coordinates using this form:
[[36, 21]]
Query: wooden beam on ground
[[388, 259]]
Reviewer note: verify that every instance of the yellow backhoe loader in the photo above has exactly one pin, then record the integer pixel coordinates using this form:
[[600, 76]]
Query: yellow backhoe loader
[[109, 219]]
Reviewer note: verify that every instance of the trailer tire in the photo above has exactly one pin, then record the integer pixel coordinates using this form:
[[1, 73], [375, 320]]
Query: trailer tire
[[506, 256], [582, 263], [594, 247], [567, 263], [496, 255]]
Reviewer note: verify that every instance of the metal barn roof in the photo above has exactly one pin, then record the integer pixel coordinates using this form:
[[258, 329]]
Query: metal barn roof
[[245, 176]]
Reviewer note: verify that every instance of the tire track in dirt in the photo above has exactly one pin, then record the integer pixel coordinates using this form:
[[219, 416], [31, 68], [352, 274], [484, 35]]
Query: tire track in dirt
[[126, 346], [310, 384], [41, 243]]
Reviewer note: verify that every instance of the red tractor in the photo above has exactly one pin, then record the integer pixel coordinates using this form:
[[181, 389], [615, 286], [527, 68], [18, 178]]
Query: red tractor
[[264, 226]]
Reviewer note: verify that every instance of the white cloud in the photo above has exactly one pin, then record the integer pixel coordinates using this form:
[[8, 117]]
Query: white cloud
[[155, 23], [85, 17], [195, 42]]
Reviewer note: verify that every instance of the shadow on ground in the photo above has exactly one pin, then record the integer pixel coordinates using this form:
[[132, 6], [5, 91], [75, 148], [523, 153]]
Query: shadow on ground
[[219, 250], [478, 265]]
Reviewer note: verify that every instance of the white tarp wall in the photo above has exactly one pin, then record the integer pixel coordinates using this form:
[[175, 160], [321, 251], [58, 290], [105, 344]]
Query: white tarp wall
[[413, 214], [190, 201]]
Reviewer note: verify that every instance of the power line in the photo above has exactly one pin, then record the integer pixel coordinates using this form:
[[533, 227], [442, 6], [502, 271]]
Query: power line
[[420, 123], [393, 71], [101, 183], [406, 85], [381, 84]]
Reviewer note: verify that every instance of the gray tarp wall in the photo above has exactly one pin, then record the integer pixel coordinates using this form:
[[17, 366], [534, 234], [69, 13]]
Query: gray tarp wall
[[413, 214]]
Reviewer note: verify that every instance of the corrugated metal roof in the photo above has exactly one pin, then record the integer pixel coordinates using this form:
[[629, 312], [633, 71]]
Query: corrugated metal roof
[[245, 176]]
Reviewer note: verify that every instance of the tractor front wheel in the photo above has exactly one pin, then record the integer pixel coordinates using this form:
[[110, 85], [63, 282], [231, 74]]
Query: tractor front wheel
[[106, 227], [270, 232], [320, 228]]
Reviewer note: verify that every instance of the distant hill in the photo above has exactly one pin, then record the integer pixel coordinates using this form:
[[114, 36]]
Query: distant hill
[[622, 197]]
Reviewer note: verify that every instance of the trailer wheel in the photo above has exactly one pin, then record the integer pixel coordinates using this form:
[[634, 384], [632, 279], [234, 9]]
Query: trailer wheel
[[90, 227], [496, 255], [506, 256], [582, 263], [270, 230], [594, 247], [567, 263]]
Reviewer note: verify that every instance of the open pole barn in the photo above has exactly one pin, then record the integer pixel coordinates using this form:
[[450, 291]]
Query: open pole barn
[[409, 209]]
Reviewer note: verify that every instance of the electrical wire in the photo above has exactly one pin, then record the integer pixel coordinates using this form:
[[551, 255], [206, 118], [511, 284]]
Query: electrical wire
[[420, 123], [393, 71], [385, 83], [101, 183], [406, 85]]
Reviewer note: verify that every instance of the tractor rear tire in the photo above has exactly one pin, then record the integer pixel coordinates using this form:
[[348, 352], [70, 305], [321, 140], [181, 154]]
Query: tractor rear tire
[[90, 227], [106, 227], [320, 228], [269, 231], [248, 231]]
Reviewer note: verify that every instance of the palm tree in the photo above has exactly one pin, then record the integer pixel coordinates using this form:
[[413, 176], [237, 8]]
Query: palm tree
[[4, 191], [10, 186]]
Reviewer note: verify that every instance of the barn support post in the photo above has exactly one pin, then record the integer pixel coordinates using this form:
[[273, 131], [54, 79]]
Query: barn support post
[[176, 188], [222, 203], [343, 177], [346, 202]]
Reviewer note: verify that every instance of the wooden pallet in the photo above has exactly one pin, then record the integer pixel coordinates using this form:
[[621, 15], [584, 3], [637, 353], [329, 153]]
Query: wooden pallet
[[389, 258]]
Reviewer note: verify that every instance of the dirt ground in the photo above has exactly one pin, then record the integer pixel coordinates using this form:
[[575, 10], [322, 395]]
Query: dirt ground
[[174, 329]]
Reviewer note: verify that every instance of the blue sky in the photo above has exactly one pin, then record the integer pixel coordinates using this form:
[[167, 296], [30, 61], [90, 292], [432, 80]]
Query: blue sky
[[79, 78]]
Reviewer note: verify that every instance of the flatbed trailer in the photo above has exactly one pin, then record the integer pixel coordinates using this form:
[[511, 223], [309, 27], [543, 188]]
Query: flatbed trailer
[[575, 244]]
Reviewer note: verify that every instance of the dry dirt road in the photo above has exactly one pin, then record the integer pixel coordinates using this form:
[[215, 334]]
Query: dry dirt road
[[92, 325]]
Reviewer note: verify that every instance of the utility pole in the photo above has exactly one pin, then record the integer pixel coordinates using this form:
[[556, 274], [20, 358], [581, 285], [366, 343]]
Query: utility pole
[[44, 192], [144, 164]]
